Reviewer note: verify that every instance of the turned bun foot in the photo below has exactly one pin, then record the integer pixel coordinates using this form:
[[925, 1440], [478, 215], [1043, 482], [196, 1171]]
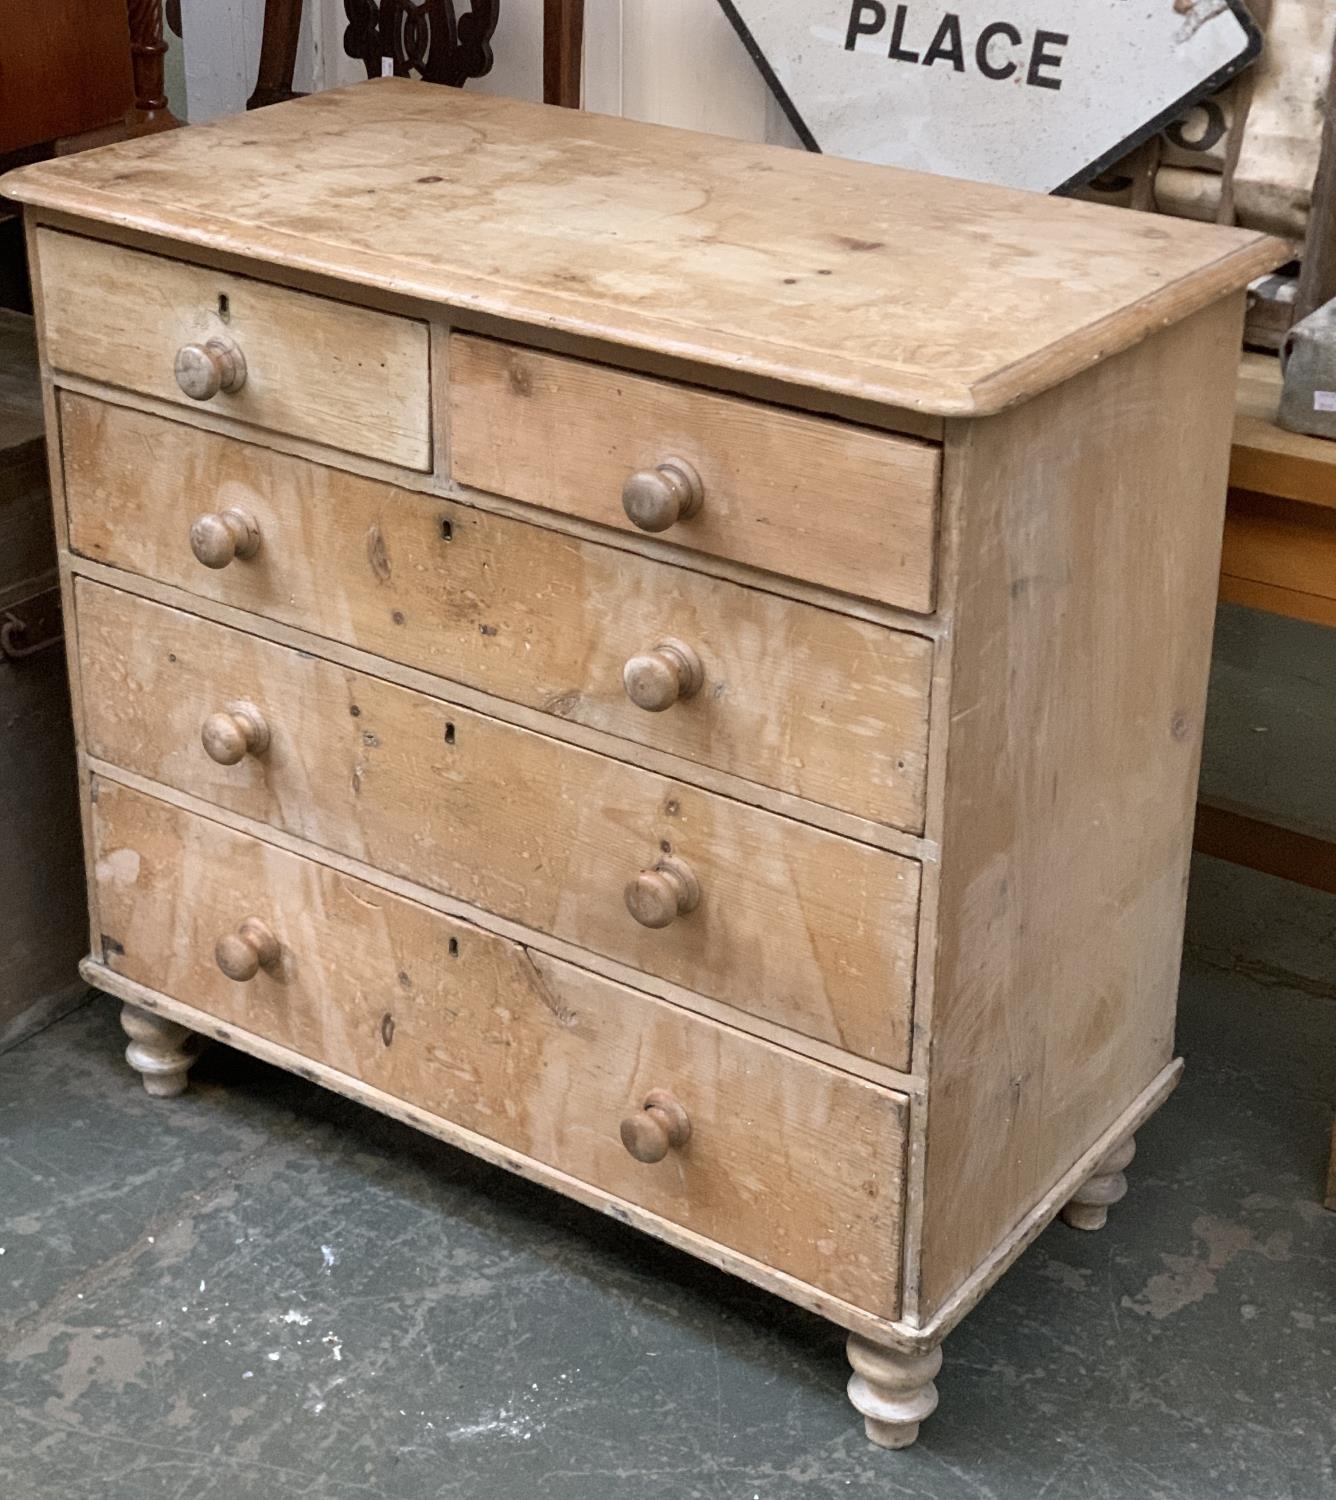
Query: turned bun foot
[[160, 1051], [893, 1391], [1088, 1207]]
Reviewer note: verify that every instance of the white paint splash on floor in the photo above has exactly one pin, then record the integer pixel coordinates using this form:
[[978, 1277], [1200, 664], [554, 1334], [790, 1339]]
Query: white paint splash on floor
[[503, 1424]]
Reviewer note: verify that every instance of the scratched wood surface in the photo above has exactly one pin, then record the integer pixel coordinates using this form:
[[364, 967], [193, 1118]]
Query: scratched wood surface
[[797, 925], [822, 500], [315, 368], [1087, 591], [910, 290], [416, 1004], [802, 699]]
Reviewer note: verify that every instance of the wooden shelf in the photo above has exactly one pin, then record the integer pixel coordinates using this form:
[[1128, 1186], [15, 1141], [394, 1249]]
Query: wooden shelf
[[1267, 459]]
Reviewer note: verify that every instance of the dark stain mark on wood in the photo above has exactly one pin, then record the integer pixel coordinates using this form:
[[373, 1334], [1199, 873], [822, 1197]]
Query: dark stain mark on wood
[[564, 1015], [397, 616], [489, 629], [110, 946], [387, 1029], [852, 242], [521, 380], [563, 705], [405, 980], [377, 554]]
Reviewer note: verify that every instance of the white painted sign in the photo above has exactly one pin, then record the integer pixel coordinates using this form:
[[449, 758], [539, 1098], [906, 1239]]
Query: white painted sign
[[1040, 94]]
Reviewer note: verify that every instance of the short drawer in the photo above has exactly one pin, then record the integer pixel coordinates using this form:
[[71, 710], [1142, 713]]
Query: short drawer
[[793, 1163], [809, 930], [803, 496], [310, 367], [801, 699]]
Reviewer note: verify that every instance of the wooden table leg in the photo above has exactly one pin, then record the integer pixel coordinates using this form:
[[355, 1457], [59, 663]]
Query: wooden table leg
[[278, 53], [563, 43]]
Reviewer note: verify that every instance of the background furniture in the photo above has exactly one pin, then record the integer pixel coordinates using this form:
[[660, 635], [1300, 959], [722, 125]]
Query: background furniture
[[1279, 556], [565, 782], [42, 926], [76, 73], [427, 38], [73, 74], [563, 49], [438, 41]]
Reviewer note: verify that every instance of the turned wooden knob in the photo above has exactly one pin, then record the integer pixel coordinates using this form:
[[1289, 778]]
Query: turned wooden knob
[[660, 1123], [239, 730], [658, 498], [243, 953], [216, 539], [202, 370], [660, 895], [656, 679]]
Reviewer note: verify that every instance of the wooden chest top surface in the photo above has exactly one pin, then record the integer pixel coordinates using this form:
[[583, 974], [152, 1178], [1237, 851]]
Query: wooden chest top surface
[[948, 297]]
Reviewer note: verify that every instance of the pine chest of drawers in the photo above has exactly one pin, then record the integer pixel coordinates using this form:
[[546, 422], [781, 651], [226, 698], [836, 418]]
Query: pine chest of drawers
[[675, 666]]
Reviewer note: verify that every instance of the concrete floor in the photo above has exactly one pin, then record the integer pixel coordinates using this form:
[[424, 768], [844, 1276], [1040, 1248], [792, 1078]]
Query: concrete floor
[[260, 1289]]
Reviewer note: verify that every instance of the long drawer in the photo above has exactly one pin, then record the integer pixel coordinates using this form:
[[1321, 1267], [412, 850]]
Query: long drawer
[[798, 698], [791, 1162], [799, 926], [798, 495], [346, 376]]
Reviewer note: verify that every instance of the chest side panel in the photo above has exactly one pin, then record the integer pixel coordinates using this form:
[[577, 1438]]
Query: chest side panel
[[1089, 544]]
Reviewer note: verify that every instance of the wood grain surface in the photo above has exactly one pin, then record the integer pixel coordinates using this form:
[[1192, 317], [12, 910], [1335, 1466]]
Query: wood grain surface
[[797, 925], [315, 368], [789, 1161], [798, 698], [826, 501], [913, 291], [1086, 597]]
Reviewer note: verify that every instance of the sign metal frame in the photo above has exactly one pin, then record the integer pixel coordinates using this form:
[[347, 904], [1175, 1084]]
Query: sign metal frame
[[1252, 48]]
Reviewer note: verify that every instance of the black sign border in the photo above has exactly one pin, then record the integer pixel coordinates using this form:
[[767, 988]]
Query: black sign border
[[1252, 47]]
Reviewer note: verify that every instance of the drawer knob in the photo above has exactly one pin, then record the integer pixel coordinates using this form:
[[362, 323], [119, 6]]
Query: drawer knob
[[243, 953], [655, 499], [656, 679], [217, 538], [239, 730], [661, 1123], [202, 370], [657, 897]]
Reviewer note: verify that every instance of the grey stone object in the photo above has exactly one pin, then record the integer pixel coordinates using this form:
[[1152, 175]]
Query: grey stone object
[[1308, 397]]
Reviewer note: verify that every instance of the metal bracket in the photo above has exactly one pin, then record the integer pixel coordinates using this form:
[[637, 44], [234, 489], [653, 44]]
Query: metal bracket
[[30, 626]]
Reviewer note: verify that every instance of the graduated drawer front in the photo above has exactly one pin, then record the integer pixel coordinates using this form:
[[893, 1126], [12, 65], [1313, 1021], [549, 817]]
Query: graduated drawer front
[[790, 1162], [794, 697], [799, 926], [799, 495], [346, 376]]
